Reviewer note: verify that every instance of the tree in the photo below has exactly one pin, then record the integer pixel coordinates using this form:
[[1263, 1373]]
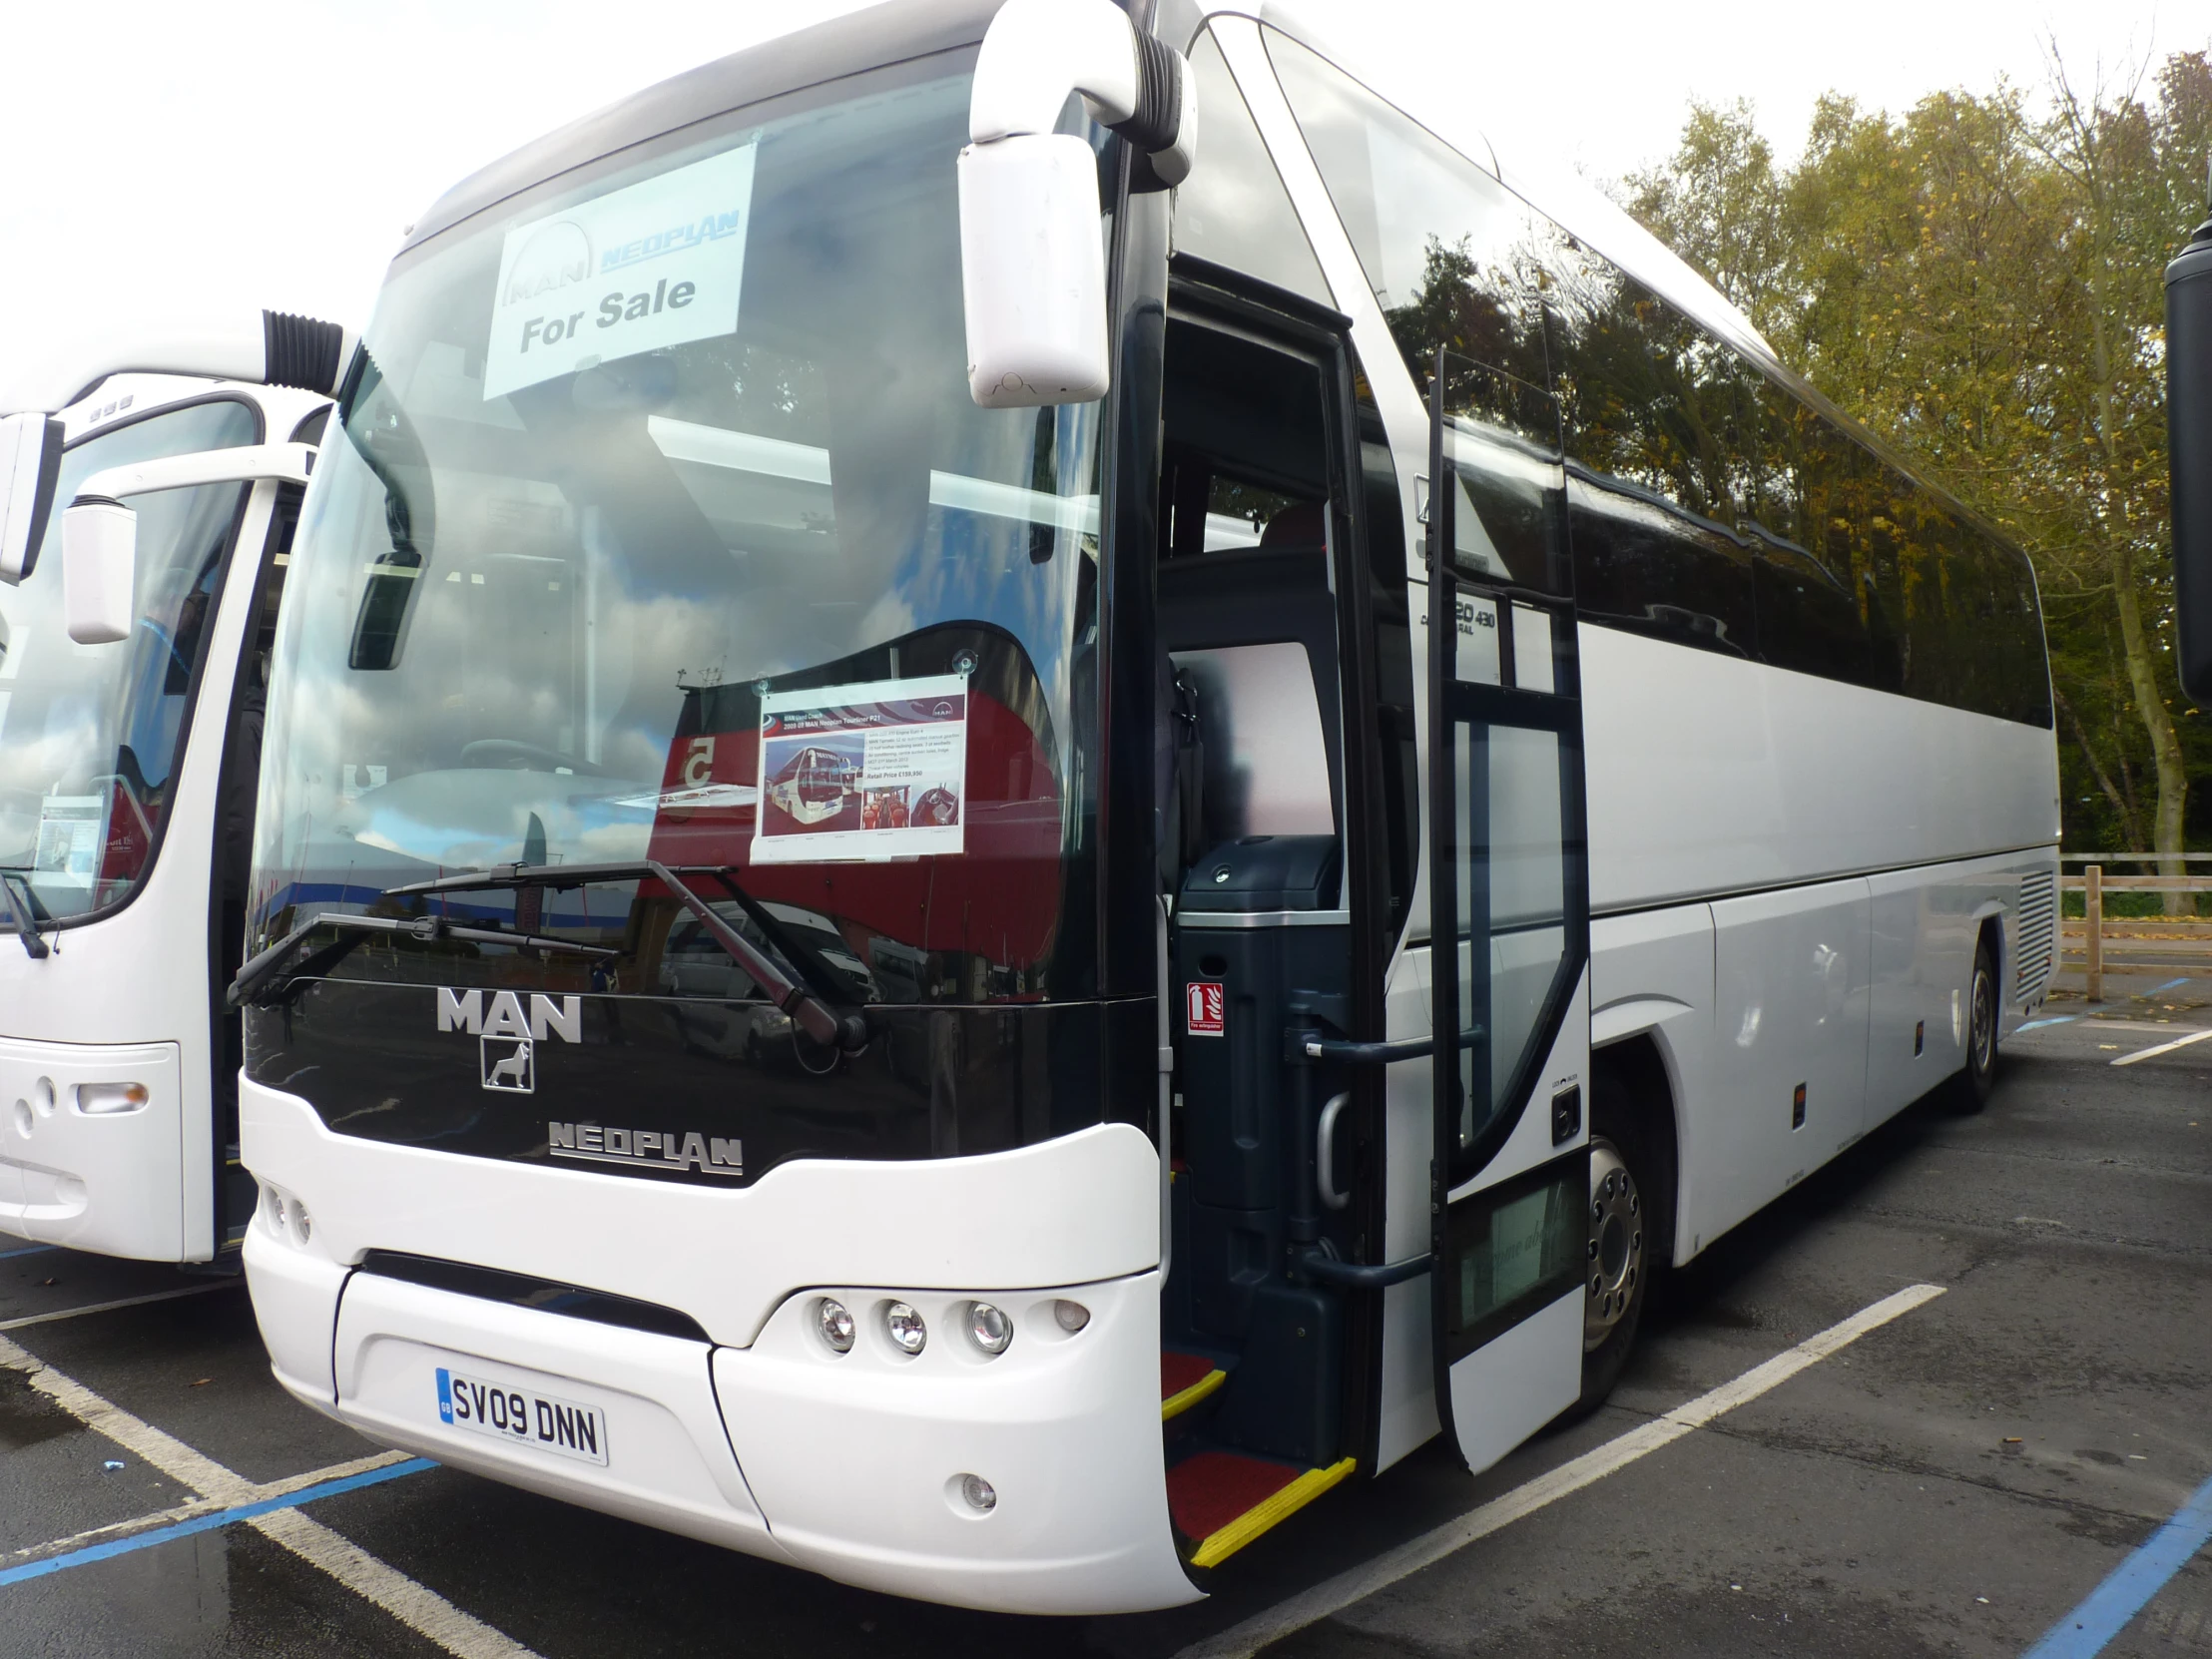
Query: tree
[[1980, 280]]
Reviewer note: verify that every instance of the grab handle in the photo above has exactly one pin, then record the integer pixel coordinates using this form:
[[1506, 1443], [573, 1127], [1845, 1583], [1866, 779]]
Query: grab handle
[[1324, 1153]]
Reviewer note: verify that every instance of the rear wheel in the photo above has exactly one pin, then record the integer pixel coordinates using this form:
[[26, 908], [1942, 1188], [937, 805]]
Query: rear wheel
[[1622, 1242], [1981, 1073]]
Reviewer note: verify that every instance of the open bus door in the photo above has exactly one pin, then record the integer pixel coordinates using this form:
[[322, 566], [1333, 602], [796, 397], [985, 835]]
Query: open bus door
[[1509, 920]]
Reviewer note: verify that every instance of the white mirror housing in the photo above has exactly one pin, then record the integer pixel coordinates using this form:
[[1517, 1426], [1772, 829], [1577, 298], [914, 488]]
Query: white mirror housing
[[1032, 263], [1033, 271], [99, 571], [100, 534], [30, 461]]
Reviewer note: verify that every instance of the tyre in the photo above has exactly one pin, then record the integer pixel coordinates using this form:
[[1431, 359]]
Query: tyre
[[1623, 1246], [1979, 1075]]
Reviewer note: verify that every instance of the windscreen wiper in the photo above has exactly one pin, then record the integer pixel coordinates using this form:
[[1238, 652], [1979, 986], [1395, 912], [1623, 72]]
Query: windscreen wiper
[[26, 921], [269, 964], [826, 1024]]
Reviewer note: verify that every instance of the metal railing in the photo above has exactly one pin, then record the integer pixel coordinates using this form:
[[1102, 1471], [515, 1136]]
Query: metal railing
[[2156, 941]]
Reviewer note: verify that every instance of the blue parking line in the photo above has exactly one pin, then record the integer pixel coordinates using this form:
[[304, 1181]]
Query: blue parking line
[[2037, 1024], [2105, 1612], [2167, 987], [207, 1523], [31, 1250]]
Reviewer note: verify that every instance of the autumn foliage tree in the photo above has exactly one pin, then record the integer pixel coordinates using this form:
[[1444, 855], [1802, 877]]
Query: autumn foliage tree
[[1981, 281]]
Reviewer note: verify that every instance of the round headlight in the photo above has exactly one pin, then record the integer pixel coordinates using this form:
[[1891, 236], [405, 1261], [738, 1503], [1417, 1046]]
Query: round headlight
[[902, 1324], [988, 1328], [981, 1496], [1070, 1316], [836, 1325]]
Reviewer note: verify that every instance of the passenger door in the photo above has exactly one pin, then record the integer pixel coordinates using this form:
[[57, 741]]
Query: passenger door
[[1509, 924]]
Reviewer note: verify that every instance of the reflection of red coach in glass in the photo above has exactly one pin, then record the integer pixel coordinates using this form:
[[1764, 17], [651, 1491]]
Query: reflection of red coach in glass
[[999, 897]]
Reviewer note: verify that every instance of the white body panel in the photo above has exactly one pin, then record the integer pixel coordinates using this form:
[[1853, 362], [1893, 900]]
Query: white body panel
[[763, 1440], [142, 1184]]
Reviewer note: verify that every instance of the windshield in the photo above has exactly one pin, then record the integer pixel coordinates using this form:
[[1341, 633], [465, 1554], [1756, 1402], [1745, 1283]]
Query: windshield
[[662, 526], [90, 735]]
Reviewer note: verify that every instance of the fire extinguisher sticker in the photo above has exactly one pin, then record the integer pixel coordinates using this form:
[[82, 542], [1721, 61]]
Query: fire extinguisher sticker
[[1202, 1008]]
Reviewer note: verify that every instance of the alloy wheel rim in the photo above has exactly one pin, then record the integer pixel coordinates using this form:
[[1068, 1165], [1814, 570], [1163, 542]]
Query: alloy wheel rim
[[1616, 1246], [1984, 1021]]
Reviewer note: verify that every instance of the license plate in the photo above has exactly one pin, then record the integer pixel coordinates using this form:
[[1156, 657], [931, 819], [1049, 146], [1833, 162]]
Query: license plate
[[522, 1417]]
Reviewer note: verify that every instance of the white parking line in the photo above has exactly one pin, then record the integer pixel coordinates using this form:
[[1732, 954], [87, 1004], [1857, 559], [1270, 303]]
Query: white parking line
[[417, 1606], [1336, 1595], [2164, 1048], [110, 1307]]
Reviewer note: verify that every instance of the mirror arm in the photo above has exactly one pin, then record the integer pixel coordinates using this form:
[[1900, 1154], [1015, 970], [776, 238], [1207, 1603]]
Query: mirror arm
[[287, 463], [271, 348], [1036, 52]]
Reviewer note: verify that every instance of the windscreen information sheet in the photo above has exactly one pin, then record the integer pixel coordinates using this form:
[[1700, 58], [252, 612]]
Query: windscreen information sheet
[[656, 263], [870, 772]]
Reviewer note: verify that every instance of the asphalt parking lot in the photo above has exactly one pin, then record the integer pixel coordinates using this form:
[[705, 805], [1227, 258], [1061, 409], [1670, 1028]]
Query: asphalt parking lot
[[1957, 1477]]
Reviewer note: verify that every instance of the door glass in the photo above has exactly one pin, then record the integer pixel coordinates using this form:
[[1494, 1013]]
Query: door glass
[[1510, 867]]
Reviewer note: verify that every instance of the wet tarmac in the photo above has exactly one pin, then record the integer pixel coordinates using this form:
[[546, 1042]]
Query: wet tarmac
[[1952, 1481]]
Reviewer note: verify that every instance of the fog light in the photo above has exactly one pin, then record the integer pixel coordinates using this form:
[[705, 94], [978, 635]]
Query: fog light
[[104, 1099], [981, 1496], [902, 1322], [836, 1325], [1072, 1315], [301, 1227], [988, 1328]]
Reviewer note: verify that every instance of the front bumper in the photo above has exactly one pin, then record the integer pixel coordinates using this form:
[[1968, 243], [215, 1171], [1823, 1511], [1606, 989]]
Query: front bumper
[[108, 1181]]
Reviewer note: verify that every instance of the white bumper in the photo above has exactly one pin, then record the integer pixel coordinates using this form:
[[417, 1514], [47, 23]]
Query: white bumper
[[763, 1439], [104, 1181]]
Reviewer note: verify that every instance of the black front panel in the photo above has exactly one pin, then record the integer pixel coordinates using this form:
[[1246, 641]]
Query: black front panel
[[681, 1089]]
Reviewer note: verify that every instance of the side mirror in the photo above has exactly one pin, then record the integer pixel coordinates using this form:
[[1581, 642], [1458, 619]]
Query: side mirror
[[2189, 454], [99, 571], [1032, 262], [100, 534], [1033, 271], [30, 461]]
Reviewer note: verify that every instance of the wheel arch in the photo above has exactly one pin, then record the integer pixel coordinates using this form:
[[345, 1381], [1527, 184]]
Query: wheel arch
[[1637, 1067]]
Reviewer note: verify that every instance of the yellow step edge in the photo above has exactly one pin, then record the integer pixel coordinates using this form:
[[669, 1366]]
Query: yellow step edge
[[1220, 1545], [1191, 1395]]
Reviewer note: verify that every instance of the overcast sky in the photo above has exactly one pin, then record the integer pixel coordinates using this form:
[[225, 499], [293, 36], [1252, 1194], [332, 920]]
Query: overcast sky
[[176, 157]]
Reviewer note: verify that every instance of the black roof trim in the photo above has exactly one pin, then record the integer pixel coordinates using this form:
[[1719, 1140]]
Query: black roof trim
[[885, 34]]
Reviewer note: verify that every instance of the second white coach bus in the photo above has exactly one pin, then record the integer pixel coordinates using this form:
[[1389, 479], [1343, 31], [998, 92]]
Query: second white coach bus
[[1219, 538], [135, 625]]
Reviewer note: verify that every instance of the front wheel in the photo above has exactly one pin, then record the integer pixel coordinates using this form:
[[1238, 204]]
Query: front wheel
[[1623, 1247], [1981, 1073]]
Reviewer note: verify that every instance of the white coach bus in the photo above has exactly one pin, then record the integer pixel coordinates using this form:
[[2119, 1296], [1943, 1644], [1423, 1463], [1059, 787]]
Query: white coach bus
[[1032, 420], [133, 662]]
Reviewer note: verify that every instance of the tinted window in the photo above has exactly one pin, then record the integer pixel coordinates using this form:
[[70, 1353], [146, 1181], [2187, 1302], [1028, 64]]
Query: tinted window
[[1654, 412], [1795, 490], [1452, 256], [1233, 210]]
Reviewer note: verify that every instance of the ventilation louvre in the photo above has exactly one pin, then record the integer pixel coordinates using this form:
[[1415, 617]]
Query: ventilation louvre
[[2037, 936]]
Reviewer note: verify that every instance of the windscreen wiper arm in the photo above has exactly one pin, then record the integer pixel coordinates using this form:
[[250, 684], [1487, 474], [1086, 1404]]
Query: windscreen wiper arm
[[269, 964], [827, 1024], [26, 924]]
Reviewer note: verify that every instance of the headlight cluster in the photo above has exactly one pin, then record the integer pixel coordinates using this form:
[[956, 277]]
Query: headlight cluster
[[286, 1217], [988, 1328]]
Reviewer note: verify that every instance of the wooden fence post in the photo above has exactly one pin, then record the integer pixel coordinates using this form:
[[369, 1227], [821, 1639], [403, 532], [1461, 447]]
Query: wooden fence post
[[2092, 906]]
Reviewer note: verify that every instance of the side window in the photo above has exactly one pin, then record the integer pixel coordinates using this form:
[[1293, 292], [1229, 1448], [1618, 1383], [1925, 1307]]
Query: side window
[[1654, 411], [1452, 256], [1233, 211], [1797, 472]]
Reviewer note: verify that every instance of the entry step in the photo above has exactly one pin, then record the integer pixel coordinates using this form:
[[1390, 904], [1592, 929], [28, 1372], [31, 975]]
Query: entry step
[[1185, 1380], [1222, 1500]]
